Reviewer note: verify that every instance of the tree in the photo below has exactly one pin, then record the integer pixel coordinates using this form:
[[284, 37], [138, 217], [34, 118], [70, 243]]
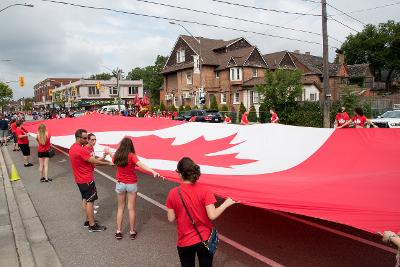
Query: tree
[[187, 108], [252, 114], [6, 95], [377, 45], [151, 76], [101, 76], [213, 104], [264, 112], [242, 109], [162, 106], [280, 90]]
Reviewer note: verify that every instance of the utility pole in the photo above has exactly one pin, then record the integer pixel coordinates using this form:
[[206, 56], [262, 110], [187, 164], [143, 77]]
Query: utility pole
[[326, 100], [118, 74]]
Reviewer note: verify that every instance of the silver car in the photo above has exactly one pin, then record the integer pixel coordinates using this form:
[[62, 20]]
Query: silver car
[[389, 119]]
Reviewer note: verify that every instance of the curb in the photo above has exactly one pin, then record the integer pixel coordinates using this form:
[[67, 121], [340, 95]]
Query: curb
[[33, 245]]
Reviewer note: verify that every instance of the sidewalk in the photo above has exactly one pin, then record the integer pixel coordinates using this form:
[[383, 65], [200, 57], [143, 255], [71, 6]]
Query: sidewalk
[[24, 241]]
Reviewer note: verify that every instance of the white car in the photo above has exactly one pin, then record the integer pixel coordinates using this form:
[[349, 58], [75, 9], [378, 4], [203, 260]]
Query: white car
[[389, 119]]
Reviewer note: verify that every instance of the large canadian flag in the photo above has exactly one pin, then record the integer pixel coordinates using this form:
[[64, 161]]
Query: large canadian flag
[[350, 176]]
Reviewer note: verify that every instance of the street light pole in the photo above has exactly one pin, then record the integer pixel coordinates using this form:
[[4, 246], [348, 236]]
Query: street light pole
[[327, 95], [200, 58], [26, 5]]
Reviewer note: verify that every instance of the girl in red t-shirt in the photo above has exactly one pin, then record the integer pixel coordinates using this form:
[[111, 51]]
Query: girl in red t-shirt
[[126, 160], [43, 139], [200, 203], [274, 115]]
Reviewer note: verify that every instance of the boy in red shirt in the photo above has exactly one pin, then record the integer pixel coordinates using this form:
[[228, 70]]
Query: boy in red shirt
[[227, 119], [274, 115], [13, 127], [23, 143], [81, 163]]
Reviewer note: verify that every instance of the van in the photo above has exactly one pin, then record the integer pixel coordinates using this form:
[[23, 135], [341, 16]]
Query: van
[[111, 108]]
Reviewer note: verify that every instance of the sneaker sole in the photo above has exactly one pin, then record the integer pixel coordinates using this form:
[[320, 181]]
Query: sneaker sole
[[93, 231]]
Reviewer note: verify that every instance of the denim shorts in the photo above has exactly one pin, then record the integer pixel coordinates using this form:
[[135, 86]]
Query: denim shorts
[[121, 188]]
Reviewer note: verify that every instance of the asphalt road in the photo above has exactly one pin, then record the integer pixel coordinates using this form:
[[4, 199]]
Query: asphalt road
[[280, 239]]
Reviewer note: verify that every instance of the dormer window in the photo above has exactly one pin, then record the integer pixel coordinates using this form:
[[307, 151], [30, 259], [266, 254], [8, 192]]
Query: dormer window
[[255, 72], [180, 56]]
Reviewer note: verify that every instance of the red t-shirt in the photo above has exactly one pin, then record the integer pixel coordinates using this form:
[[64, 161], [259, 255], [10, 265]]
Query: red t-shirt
[[23, 140], [127, 173], [274, 118], [91, 152], [192, 119], [244, 119], [46, 146], [359, 121], [82, 169], [342, 118], [227, 120], [13, 127], [196, 198]]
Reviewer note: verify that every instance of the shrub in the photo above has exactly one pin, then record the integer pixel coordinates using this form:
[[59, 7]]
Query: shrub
[[252, 114]]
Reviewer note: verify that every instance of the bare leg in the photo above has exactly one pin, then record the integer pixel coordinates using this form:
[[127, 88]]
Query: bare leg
[[84, 209], [45, 167], [26, 159], [120, 210], [132, 210], [41, 163], [90, 213]]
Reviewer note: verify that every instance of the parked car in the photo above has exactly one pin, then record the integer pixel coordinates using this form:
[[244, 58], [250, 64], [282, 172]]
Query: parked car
[[213, 116], [198, 113], [389, 119], [76, 114]]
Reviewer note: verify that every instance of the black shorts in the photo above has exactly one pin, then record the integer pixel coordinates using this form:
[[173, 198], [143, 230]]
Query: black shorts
[[88, 191], [26, 151], [43, 154]]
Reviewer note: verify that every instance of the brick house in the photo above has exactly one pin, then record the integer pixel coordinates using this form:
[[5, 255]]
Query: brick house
[[224, 68], [42, 90]]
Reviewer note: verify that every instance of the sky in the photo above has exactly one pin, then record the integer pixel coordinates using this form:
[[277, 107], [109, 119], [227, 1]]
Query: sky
[[52, 40]]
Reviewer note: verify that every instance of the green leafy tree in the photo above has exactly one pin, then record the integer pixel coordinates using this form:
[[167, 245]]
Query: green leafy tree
[[181, 108], [264, 112], [162, 106], [187, 108], [224, 107], [242, 109], [151, 76], [310, 115], [280, 90], [172, 108], [252, 114], [377, 45], [213, 104], [6, 95], [101, 76]]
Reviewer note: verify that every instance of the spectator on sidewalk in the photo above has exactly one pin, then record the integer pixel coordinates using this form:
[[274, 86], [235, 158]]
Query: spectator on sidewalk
[[227, 120], [274, 115], [126, 161], [3, 130], [43, 139], [359, 120], [341, 118], [200, 203], [13, 127], [81, 163], [23, 143], [244, 120]]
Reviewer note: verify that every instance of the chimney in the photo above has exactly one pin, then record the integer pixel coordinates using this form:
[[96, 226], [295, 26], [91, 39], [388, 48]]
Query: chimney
[[340, 56], [296, 51], [307, 53]]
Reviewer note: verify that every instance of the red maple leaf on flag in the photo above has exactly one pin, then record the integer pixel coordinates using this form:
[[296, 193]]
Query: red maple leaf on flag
[[154, 147]]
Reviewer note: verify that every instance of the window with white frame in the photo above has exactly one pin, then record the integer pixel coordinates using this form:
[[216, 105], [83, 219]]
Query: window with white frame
[[93, 91], [255, 72], [223, 98], [113, 90], [236, 98], [254, 97], [236, 74], [189, 78], [217, 74], [176, 104], [133, 90], [180, 56], [313, 97]]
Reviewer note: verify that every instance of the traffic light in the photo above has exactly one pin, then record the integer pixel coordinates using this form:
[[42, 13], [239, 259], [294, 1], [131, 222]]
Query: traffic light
[[21, 81], [98, 85]]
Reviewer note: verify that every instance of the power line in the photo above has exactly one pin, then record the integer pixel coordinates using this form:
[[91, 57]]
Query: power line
[[267, 9], [373, 8], [179, 20], [230, 17], [344, 13], [343, 24]]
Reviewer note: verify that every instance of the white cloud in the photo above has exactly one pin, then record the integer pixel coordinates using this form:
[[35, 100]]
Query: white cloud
[[52, 40]]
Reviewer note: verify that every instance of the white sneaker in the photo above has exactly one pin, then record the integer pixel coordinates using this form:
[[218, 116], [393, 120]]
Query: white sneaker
[[96, 207]]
